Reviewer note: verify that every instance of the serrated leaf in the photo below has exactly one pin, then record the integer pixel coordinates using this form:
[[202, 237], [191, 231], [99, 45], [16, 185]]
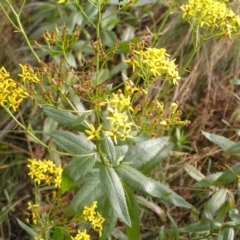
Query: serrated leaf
[[76, 169], [110, 220], [142, 183], [221, 141], [143, 152], [115, 193], [216, 201], [193, 172], [91, 191], [161, 156], [72, 143], [132, 232], [109, 148], [229, 176], [66, 118]]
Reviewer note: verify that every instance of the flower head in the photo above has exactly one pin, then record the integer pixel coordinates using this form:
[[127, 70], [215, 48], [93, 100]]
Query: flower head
[[212, 14], [11, 94], [93, 133], [45, 172], [95, 218], [154, 62], [81, 236], [28, 75]]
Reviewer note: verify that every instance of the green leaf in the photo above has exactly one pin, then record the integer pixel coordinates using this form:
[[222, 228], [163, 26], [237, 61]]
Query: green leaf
[[229, 176], [153, 207], [58, 233], [222, 142], [108, 37], [208, 180], [226, 234], [203, 226], [108, 147], [222, 212], [132, 232], [76, 169], [175, 226], [235, 81], [103, 76], [154, 162], [66, 118], [235, 149], [143, 152], [71, 143], [234, 215], [193, 172], [28, 229], [118, 234], [115, 193], [217, 200], [110, 220], [91, 191], [142, 183]]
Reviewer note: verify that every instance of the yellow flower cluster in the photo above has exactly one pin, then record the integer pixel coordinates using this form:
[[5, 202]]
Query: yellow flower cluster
[[28, 75], [213, 15], [118, 107], [45, 171], [95, 218], [11, 94], [81, 236], [154, 62]]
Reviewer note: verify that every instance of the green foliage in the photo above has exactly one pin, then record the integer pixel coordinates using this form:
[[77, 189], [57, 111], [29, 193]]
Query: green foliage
[[107, 139]]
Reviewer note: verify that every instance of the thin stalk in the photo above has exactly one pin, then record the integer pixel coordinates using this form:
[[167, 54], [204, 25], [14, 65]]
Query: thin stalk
[[21, 30], [195, 49]]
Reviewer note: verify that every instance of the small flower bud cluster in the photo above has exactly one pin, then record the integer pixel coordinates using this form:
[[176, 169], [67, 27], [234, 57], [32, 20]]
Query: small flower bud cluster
[[213, 15], [62, 39], [11, 93]]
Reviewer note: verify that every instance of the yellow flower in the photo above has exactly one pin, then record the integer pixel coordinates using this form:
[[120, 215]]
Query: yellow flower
[[28, 74], [95, 218], [81, 236], [62, 1], [154, 62], [93, 133], [212, 14], [11, 93], [45, 171]]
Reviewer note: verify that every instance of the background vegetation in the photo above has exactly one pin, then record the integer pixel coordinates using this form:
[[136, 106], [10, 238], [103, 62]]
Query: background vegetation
[[207, 94]]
